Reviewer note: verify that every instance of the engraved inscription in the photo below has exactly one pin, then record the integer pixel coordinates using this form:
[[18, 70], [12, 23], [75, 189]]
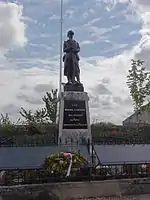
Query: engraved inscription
[[74, 115]]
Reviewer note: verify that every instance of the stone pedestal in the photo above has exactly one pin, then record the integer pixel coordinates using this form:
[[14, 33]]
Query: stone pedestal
[[78, 87], [74, 119]]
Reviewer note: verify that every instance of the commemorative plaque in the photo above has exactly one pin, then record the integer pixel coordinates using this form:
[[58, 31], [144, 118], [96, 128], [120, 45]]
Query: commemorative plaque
[[74, 115]]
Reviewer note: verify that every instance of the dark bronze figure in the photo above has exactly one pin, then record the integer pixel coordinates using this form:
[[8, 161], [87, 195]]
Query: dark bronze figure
[[71, 59]]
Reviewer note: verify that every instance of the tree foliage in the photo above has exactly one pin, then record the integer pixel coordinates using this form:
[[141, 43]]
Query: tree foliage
[[7, 127], [37, 117], [58, 163], [5, 120], [51, 101], [138, 81], [46, 114]]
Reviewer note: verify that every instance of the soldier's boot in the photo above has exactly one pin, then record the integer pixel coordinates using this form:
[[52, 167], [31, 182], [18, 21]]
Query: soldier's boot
[[78, 78]]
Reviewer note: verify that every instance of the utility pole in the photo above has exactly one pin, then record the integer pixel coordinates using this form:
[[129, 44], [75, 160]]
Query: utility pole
[[61, 27], [60, 62]]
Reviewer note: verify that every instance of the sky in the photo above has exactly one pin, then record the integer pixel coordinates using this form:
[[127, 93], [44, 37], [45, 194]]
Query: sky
[[110, 34]]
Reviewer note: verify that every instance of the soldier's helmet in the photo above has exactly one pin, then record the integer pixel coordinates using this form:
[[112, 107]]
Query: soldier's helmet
[[70, 33]]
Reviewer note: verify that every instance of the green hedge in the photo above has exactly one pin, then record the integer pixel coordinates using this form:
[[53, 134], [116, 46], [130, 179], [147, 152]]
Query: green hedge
[[43, 134], [32, 129]]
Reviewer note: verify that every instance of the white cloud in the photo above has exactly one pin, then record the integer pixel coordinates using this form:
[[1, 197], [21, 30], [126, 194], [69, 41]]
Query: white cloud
[[142, 49], [143, 5], [99, 31], [85, 42], [24, 87], [12, 28], [12, 35], [69, 13], [54, 17], [103, 78], [141, 14]]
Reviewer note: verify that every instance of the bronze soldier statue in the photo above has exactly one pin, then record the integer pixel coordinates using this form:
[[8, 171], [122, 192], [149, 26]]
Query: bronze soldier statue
[[71, 59]]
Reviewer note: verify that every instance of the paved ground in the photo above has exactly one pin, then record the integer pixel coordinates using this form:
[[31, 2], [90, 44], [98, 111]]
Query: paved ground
[[140, 197]]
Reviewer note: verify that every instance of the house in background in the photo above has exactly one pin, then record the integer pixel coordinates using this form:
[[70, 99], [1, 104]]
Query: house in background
[[141, 117]]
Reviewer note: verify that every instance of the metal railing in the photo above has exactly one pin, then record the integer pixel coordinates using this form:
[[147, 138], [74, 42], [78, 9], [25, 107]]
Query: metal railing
[[38, 176]]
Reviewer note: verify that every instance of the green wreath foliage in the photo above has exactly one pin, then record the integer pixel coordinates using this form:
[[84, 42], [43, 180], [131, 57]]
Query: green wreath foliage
[[58, 163]]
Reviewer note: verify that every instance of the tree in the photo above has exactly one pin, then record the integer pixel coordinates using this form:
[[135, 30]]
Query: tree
[[5, 120], [46, 114], [51, 101], [138, 81], [38, 117]]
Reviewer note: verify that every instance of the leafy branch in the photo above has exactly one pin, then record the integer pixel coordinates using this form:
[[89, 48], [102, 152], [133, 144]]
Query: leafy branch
[[138, 81], [46, 114]]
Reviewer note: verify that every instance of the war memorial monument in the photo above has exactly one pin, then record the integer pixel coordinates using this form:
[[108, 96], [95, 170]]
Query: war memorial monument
[[108, 171], [74, 117]]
